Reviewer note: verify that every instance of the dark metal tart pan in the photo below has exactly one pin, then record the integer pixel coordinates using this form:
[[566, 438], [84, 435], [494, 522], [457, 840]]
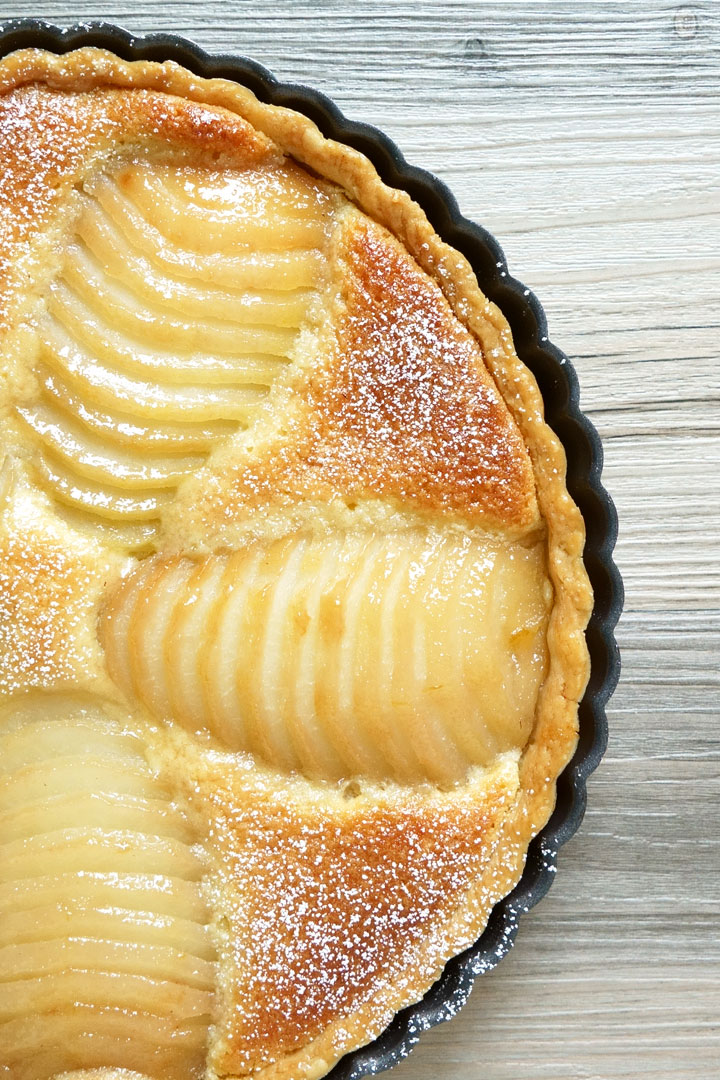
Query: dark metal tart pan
[[558, 384]]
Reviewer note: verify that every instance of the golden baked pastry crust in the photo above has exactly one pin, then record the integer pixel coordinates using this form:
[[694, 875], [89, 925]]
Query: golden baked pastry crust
[[292, 1002], [402, 407]]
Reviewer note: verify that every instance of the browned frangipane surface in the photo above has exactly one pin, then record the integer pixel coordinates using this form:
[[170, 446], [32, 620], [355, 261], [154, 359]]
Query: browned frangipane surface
[[586, 136]]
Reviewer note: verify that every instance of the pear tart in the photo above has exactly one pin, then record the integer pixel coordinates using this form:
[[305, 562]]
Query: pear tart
[[291, 588]]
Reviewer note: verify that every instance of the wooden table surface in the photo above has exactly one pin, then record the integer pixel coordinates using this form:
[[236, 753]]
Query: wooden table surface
[[586, 137]]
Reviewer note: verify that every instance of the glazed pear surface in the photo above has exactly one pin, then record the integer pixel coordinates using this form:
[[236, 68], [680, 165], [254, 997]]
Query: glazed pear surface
[[104, 950], [180, 297], [408, 657]]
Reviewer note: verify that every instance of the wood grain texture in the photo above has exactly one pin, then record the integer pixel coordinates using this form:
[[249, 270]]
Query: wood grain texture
[[586, 136]]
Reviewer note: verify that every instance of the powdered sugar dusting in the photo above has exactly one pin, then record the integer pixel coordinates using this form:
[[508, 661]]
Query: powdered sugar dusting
[[410, 393], [338, 900], [49, 589], [48, 140], [402, 406]]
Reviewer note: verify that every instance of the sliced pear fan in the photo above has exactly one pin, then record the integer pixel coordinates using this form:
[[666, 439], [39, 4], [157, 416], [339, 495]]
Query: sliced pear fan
[[105, 956], [408, 657], [179, 302]]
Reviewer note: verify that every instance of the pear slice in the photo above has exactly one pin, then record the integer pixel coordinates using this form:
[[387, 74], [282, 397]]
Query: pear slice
[[179, 301], [105, 956], [409, 657]]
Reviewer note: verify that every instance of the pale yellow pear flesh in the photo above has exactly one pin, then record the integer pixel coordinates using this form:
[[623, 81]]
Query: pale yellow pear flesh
[[105, 955], [407, 657], [179, 301]]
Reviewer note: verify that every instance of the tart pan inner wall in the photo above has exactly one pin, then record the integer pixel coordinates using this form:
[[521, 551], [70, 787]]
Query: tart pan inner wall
[[558, 384]]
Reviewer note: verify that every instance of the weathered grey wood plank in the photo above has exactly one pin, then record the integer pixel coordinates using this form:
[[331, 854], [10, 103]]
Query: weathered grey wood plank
[[586, 136]]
